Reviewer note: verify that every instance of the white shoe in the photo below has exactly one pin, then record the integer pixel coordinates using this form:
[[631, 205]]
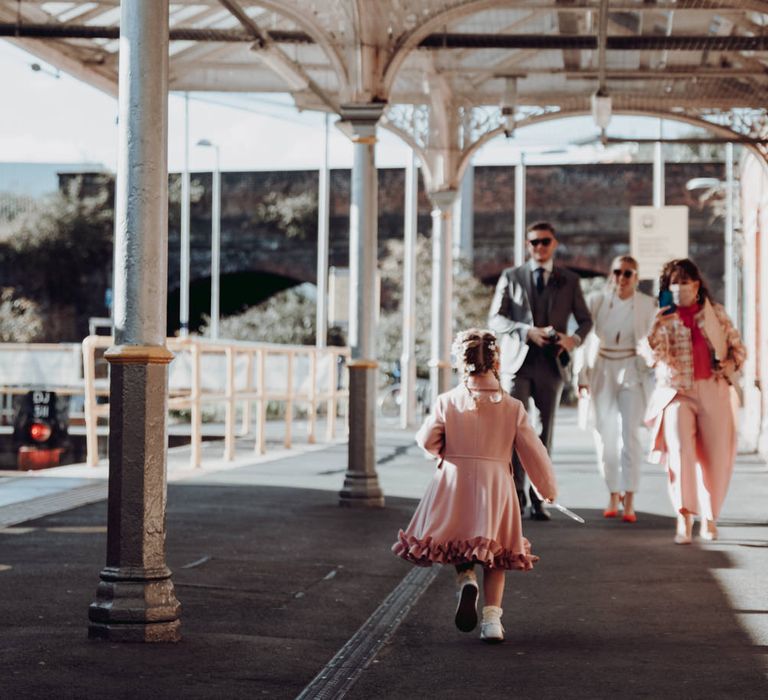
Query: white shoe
[[491, 629], [684, 529], [466, 610], [708, 530]]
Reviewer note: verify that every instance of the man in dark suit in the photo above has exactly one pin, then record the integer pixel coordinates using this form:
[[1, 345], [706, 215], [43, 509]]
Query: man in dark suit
[[529, 314]]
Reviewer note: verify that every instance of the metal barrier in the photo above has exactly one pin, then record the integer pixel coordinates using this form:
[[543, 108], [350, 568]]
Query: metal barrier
[[229, 372], [49, 366]]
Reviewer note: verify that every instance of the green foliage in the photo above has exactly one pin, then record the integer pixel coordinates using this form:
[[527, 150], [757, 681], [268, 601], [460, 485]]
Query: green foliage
[[59, 253], [471, 300], [20, 319], [287, 317], [292, 215]]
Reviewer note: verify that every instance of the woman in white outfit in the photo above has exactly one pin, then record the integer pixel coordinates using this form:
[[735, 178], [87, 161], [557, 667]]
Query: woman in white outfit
[[619, 381]]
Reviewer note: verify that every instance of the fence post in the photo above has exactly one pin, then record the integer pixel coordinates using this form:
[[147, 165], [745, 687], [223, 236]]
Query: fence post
[[262, 403], [289, 402], [89, 405], [245, 426], [197, 408], [229, 411], [333, 404], [313, 354]]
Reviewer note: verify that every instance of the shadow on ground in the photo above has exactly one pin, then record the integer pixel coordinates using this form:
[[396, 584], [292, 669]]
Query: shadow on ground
[[613, 610], [273, 581]]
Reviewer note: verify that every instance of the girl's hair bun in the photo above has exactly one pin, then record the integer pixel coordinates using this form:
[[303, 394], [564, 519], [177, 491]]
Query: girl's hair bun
[[476, 351]]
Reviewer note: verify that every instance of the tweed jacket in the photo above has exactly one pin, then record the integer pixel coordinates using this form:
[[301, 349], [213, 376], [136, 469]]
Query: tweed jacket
[[510, 315], [672, 347], [672, 351]]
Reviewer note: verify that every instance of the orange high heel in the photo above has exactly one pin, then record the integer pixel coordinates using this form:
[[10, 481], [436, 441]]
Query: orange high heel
[[612, 511], [629, 518]]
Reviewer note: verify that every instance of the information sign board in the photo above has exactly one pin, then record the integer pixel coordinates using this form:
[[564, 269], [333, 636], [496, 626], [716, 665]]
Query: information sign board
[[657, 235]]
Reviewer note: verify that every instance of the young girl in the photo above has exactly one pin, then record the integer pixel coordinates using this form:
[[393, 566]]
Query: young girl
[[470, 512]]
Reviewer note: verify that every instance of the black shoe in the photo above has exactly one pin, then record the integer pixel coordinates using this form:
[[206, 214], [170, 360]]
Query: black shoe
[[466, 610], [540, 513]]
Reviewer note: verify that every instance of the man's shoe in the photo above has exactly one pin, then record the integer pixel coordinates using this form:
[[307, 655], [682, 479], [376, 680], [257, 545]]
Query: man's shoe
[[491, 629], [540, 513], [466, 610]]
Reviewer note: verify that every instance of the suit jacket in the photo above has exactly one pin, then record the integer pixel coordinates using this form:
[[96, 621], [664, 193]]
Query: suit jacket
[[511, 315]]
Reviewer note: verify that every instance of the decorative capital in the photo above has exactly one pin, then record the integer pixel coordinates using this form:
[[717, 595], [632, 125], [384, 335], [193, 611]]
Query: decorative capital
[[358, 121], [362, 364], [138, 355], [443, 200]]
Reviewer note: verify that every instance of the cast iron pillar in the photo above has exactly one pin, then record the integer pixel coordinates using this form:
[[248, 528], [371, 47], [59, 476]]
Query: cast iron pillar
[[408, 356], [442, 291], [135, 601], [361, 483]]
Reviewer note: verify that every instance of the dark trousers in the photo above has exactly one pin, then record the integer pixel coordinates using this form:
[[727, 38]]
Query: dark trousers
[[537, 379]]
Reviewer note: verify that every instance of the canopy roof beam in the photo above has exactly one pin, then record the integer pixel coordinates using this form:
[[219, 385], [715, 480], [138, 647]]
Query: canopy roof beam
[[676, 42]]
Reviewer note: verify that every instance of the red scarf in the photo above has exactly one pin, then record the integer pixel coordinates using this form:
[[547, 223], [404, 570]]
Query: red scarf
[[702, 358]]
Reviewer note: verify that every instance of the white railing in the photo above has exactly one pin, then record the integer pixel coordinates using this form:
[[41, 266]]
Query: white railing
[[229, 373], [54, 366]]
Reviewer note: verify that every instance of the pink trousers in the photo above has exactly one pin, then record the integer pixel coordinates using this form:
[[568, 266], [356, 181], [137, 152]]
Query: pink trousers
[[700, 434]]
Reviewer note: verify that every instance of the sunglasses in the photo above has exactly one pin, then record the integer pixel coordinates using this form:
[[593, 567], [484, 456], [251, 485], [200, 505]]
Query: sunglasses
[[540, 241], [623, 273]]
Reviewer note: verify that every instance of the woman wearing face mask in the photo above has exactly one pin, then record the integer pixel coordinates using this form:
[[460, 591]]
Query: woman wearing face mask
[[619, 382], [697, 350]]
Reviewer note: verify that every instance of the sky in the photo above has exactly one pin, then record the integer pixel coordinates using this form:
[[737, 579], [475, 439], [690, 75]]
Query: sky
[[48, 116]]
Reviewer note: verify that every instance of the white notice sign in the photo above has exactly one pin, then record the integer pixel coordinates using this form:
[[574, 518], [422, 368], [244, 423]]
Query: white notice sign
[[657, 235]]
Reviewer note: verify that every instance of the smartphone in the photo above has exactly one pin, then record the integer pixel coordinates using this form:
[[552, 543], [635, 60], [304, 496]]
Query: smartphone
[[666, 299]]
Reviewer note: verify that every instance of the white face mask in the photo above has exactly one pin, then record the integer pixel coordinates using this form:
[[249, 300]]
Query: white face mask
[[684, 294]]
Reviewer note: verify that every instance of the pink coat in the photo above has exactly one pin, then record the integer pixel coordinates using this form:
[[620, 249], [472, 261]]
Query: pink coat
[[470, 511]]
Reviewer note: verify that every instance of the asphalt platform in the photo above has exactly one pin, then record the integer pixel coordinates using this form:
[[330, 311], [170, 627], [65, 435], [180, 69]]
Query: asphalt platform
[[275, 578]]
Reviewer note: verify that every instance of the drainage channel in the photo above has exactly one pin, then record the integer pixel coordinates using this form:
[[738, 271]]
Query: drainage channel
[[341, 672], [34, 508]]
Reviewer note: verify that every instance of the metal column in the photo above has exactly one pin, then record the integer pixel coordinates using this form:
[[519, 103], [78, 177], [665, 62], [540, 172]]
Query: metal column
[[216, 249], [520, 211], [135, 599], [323, 214], [361, 483], [463, 219], [185, 234], [442, 292], [658, 170], [729, 272], [408, 357]]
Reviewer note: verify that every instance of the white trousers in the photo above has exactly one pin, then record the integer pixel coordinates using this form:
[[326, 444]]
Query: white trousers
[[619, 405]]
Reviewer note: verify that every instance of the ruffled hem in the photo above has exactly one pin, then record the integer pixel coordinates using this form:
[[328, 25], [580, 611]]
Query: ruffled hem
[[479, 550]]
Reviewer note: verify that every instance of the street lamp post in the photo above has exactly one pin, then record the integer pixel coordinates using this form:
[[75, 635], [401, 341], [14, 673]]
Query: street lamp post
[[215, 239], [184, 232]]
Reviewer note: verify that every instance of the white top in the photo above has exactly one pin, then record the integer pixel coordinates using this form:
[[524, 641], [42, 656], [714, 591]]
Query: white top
[[615, 325]]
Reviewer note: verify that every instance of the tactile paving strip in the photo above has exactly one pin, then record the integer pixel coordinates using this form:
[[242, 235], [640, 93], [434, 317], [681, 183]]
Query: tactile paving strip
[[341, 672], [16, 513]]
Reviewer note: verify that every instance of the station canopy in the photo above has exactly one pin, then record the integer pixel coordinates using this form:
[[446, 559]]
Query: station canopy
[[468, 70]]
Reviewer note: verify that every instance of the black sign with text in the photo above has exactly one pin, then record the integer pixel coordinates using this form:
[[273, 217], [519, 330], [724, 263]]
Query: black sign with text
[[40, 419]]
